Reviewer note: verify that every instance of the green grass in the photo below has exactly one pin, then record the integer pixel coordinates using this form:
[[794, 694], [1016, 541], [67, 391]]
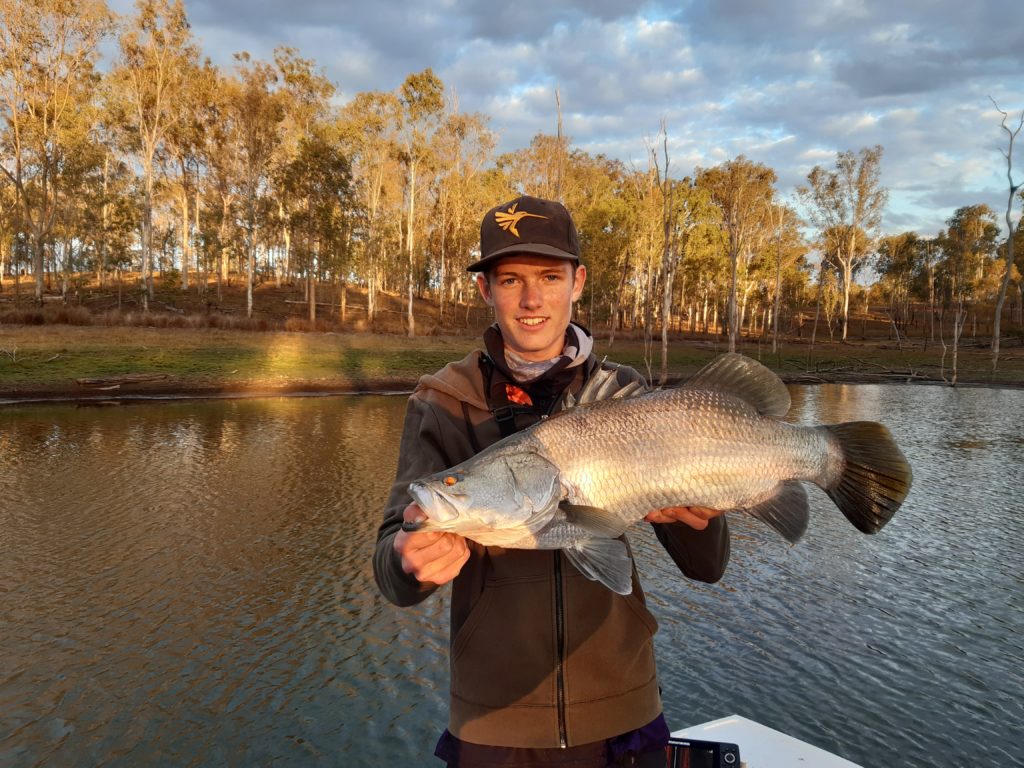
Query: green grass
[[49, 359]]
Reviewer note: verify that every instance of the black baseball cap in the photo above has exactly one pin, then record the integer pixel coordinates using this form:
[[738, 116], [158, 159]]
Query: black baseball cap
[[527, 225]]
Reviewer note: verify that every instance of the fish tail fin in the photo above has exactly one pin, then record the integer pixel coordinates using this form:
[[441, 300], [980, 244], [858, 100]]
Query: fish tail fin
[[876, 477]]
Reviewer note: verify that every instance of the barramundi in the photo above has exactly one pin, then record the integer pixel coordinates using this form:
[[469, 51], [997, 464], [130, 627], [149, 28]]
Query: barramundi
[[578, 480]]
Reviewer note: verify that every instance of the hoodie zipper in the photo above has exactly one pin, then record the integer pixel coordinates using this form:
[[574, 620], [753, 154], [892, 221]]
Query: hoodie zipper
[[563, 741]]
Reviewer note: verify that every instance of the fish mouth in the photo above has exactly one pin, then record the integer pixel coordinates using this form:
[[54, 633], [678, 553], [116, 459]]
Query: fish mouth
[[438, 506]]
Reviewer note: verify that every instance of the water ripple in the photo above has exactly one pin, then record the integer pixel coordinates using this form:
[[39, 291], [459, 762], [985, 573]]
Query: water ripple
[[189, 584]]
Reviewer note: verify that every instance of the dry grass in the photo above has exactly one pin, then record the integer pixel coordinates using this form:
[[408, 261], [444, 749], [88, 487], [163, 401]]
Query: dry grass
[[202, 345]]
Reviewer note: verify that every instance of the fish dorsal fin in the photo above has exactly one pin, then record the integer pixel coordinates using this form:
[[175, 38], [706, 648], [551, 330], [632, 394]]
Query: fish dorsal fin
[[603, 384], [745, 378]]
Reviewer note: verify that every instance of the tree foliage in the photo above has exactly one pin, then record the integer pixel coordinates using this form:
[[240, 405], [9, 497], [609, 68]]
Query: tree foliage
[[164, 164]]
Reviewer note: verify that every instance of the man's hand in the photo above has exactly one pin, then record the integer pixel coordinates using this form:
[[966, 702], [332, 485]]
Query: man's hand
[[695, 517], [432, 557]]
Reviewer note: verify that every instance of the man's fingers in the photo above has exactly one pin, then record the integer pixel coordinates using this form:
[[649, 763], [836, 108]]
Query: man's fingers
[[447, 566], [695, 517], [429, 556], [694, 520]]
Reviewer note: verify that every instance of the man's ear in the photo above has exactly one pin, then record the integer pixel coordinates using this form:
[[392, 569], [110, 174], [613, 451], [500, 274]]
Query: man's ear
[[484, 286], [579, 280]]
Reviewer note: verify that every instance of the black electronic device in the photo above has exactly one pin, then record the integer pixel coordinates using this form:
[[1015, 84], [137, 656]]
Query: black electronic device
[[693, 753]]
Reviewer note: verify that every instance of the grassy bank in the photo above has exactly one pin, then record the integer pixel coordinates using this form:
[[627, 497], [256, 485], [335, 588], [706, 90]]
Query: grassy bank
[[71, 361]]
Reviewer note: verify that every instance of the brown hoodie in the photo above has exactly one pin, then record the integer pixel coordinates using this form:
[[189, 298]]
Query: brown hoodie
[[540, 655]]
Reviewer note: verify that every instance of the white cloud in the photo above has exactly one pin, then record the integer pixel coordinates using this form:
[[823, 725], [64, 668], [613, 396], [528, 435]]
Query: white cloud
[[788, 83]]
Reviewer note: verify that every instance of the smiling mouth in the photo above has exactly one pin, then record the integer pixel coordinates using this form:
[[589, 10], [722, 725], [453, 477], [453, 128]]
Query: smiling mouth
[[532, 321]]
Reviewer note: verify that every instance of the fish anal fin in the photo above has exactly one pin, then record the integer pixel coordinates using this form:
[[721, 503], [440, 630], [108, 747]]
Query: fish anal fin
[[744, 378], [604, 560], [594, 520], [787, 511]]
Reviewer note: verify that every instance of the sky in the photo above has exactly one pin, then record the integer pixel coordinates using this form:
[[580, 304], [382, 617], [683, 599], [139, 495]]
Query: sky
[[787, 83]]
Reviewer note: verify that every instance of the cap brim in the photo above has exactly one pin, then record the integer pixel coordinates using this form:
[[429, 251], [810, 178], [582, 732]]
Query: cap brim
[[540, 249]]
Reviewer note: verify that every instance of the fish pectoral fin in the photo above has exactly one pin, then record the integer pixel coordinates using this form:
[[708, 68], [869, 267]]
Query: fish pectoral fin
[[787, 511], [595, 520], [604, 560]]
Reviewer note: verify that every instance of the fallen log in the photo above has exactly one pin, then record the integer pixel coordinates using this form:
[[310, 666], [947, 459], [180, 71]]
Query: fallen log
[[110, 382]]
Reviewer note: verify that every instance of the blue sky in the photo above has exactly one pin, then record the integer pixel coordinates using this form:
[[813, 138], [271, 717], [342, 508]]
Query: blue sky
[[787, 83]]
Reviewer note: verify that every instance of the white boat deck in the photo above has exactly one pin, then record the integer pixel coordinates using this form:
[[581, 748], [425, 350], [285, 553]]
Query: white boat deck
[[764, 747]]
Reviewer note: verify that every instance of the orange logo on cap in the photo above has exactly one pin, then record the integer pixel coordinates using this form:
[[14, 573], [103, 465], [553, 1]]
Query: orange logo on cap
[[510, 220]]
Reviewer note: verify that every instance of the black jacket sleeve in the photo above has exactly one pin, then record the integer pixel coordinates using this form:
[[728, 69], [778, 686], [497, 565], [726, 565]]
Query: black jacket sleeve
[[700, 555], [421, 453]]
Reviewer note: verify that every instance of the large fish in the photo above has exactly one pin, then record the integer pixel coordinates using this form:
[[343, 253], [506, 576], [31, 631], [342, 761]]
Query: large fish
[[576, 481]]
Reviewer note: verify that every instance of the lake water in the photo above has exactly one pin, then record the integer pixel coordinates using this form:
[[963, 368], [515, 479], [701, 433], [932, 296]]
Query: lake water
[[188, 583]]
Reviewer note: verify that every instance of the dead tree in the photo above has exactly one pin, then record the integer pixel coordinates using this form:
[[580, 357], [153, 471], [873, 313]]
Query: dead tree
[[1011, 230]]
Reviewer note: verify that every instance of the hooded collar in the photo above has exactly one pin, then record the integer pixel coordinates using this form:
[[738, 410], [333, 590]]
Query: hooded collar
[[578, 346]]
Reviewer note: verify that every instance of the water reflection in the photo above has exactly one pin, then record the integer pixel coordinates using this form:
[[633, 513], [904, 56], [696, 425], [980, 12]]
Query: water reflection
[[189, 583]]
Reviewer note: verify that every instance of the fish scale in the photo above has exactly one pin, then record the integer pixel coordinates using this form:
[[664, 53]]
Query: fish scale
[[578, 480], [702, 449]]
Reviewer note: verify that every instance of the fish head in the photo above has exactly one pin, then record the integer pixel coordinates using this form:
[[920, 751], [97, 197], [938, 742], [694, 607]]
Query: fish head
[[493, 490]]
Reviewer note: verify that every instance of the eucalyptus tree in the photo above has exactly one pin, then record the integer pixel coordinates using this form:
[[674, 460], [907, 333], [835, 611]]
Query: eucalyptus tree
[[422, 98], [1011, 227], [81, 173], [539, 169], [9, 228], [788, 249], [183, 155], [257, 112], [319, 179], [48, 51], [464, 145], [687, 213], [968, 247], [847, 205], [645, 247], [109, 216], [157, 57], [595, 185], [369, 131], [223, 177], [744, 190], [306, 93], [898, 259]]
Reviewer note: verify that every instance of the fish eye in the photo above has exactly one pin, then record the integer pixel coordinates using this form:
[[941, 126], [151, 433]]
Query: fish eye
[[450, 480]]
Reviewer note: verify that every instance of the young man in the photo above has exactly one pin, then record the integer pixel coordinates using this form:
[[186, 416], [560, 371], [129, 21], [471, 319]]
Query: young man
[[547, 666]]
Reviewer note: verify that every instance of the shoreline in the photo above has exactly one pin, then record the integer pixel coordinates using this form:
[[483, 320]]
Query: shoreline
[[70, 364], [178, 391]]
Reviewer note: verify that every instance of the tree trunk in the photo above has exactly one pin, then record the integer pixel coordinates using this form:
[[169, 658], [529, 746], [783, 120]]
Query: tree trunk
[[817, 313], [778, 299], [311, 292], [342, 299], [186, 239], [443, 276], [38, 265], [409, 242], [958, 326], [147, 239], [201, 264], [250, 248], [101, 273], [733, 315]]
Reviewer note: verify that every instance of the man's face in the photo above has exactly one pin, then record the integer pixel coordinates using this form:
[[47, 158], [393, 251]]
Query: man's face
[[532, 298]]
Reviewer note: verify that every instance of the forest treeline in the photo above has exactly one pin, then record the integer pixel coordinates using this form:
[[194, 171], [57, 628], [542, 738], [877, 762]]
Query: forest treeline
[[125, 150]]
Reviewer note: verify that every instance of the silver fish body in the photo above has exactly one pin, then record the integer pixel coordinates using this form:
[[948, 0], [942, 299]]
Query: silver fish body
[[578, 480]]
